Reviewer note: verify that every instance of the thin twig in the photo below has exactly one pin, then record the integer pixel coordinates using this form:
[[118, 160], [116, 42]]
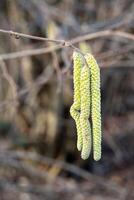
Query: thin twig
[[30, 52], [60, 43], [18, 35], [41, 80], [100, 34], [73, 41], [10, 80]]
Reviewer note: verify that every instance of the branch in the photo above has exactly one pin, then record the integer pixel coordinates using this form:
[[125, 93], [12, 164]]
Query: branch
[[9, 79], [100, 34], [18, 35], [60, 43], [41, 80], [72, 41], [30, 52]]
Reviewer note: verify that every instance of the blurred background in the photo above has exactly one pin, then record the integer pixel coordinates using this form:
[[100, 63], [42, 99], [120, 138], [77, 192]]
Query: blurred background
[[38, 155]]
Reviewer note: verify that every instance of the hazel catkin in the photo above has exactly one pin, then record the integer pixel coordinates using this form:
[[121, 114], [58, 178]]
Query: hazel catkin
[[95, 105], [75, 108], [85, 112], [87, 104]]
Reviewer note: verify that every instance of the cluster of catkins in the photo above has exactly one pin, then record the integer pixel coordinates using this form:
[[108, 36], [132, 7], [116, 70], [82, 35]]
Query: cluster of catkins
[[86, 109]]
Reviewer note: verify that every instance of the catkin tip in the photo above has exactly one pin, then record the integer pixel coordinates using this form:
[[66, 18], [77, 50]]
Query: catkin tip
[[84, 157], [79, 146], [97, 158]]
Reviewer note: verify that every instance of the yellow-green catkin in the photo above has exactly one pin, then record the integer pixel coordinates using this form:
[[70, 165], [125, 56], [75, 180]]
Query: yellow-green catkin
[[95, 105], [85, 112], [75, 108]]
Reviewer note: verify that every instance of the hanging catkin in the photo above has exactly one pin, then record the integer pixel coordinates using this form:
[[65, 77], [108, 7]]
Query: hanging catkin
[[75, 108], [86, 78], [95, 105], [85, 111]]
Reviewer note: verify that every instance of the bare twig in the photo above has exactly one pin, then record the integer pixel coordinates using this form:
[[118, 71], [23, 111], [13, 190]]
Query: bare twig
[[116, 52], [60, 43], [7, 76], [72, 41], [41, 80], [9, 79], [22, 35], [100, 34], [30, 52]]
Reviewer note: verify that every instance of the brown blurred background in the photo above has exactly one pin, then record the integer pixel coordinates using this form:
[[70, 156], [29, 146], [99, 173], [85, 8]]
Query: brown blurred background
[[38, 155]]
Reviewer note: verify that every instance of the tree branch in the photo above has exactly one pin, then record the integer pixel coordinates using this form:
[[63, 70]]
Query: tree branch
[[60, 43]]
